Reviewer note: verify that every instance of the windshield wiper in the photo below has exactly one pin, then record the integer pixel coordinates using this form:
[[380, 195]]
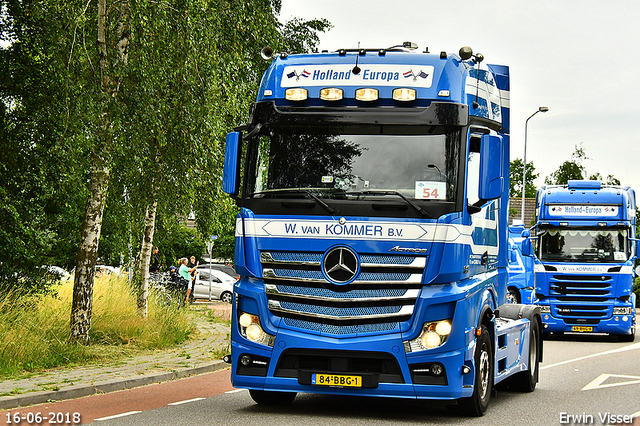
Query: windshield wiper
[[300, 191], [399, 194]]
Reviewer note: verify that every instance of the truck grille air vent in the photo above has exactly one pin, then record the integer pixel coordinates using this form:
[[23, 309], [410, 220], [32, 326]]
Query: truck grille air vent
[[381, 295]]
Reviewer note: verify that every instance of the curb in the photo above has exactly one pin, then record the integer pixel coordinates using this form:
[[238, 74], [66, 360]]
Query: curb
[[72, 392]]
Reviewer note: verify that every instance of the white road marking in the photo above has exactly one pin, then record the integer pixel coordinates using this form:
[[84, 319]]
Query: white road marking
[[613, 351], [185, 401], [235, 390], [597, 383], [118, 415]]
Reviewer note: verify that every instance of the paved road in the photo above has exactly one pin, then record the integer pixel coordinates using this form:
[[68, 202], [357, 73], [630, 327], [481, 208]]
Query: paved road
[[581, 380]]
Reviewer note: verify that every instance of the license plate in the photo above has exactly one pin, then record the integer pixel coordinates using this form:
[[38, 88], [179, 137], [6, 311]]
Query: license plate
[[581, 328], [336, 380]]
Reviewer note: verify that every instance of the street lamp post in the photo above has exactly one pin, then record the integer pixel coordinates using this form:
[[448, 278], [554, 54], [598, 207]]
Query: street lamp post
[[524, 161]]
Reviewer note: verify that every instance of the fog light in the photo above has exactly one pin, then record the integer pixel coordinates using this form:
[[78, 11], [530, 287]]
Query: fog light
[[436, 369], [466, 369], [546, 317], [245, 360], [625, 318]]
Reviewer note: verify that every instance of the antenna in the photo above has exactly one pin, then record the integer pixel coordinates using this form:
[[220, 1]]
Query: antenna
[[356, 70]]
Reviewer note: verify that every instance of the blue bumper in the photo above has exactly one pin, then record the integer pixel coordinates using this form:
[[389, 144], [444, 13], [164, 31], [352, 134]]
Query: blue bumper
[[285, 372]]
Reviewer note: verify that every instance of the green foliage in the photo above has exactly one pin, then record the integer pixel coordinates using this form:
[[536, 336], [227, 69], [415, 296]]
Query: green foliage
[[569, 170], [515, 181], [175, 240], [34, 329], [636, 290], [193, 70]]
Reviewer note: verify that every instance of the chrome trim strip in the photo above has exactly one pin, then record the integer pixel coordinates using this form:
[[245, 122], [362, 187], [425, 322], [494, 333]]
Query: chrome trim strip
[[266, 257], [418, 262], [406, 310], [411, 294], [270, 274]]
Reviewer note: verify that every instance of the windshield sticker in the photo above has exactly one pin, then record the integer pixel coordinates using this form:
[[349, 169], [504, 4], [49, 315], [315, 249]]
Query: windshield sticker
[[380, 75], [619, 256], [426, 190], [584, 210]]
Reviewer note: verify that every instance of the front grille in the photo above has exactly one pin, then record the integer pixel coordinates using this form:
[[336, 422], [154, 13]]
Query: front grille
[[581, 286], [382, 294]]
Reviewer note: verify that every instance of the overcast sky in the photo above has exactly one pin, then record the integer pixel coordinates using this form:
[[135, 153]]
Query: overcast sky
[[579, 58]]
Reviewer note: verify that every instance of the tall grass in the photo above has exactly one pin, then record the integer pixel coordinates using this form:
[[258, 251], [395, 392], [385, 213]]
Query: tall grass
[[34, 330]]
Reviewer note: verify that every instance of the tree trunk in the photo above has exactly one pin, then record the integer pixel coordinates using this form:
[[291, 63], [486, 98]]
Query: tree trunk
[[88, 252], [92, 225], [145, 256]]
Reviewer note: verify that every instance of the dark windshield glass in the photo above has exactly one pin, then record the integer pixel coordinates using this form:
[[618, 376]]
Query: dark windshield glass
[[422, 167], [584, 245]]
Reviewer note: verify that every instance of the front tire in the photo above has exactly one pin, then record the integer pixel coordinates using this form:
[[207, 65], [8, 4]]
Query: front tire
[[478, 402], [272, 398], [526, 381]]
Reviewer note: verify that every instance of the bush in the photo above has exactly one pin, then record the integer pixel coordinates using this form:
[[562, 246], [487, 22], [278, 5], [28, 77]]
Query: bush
[[636, 290], [34, 329]]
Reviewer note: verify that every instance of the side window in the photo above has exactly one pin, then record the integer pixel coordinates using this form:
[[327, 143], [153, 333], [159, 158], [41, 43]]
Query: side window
[[473, 170], [262, 171]]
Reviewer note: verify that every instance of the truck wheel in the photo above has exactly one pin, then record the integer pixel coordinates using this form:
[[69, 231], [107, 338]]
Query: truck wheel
[[628, 337], [272, 398], [513, 296], [478, 402], [526, 381]]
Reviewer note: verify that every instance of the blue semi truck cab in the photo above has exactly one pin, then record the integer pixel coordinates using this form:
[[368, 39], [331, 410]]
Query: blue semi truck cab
[[372, 235], [521, 264], [585, 258]]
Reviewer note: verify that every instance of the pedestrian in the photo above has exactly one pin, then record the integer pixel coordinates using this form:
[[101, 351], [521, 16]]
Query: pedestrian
[[154, 265], [188, 274], [193, 265]]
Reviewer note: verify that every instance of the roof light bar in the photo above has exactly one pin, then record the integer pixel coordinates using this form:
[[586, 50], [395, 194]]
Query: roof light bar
[[404, 94], [367, 94], [296, 94], [331, 94]]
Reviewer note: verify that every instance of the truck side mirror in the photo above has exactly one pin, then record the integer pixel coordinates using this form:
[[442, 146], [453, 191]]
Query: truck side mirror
[[491, 167], [527, 249], [231, 173]]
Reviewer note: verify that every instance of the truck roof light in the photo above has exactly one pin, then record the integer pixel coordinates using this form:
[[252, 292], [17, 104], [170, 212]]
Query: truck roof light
[[296, 94], [602, 223], [331, 94], [564, 224], [404, 94], [367, 94]]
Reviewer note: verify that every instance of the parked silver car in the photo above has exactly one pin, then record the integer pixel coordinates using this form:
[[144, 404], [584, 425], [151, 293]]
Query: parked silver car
[[213, 284]]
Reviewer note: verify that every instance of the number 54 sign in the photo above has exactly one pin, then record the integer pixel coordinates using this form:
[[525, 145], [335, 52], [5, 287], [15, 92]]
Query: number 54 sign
[[426, 190]]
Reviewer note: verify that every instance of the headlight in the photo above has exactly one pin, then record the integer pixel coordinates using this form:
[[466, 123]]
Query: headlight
[[621, 311], [545, 309], [434, 334], [251, 329]]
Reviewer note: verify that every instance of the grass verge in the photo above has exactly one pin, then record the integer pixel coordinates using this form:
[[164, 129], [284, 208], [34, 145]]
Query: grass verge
[[34, 330]]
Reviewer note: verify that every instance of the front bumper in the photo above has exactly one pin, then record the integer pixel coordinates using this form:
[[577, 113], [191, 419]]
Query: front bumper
[[392, 373]]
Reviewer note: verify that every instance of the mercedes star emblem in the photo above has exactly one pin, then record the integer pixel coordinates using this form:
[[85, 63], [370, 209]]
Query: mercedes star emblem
[[340, 265]]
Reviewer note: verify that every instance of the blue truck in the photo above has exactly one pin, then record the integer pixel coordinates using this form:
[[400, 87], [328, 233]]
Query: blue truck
[[371, 239], [584, 271], [521, 265]]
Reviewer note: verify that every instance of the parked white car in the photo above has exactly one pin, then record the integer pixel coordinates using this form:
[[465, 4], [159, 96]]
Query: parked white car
[[213, 284]]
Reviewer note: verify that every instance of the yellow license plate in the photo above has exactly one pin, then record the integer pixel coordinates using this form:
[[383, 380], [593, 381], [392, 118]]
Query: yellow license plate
[[581, 328], [336, 380]]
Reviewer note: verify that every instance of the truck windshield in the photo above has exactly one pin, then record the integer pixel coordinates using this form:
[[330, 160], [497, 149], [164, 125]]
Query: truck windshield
[[418, 166], [584, 245]]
